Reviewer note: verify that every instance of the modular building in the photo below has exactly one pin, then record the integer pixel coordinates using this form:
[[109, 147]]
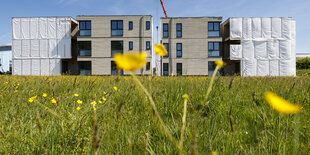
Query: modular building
[[5, 59], [260, 46], [193, 45], [42, 45]]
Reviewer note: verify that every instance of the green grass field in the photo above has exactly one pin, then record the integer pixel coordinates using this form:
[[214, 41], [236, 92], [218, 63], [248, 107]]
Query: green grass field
[[235, 120]]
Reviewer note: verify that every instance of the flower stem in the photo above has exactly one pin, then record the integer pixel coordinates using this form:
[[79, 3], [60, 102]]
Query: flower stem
[[212, 81], [183, 124], [162, 124]]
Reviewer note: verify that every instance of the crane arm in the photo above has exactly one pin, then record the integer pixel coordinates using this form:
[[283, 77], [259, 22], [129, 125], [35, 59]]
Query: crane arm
[[164, 8]]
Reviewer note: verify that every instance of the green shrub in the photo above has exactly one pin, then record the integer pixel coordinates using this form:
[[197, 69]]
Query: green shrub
[[303, 63]]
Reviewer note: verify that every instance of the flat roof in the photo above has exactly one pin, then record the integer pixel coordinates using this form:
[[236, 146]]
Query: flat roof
[[49, 17], [190, 17], [108, 15]]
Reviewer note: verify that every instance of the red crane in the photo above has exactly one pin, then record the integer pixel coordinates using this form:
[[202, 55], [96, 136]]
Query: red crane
[[163, 5]]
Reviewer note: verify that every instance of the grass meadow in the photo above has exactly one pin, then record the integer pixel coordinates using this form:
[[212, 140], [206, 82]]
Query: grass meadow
[[236, 119]]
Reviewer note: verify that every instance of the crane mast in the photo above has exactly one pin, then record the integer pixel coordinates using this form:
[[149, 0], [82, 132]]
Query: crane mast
[[164, 8]]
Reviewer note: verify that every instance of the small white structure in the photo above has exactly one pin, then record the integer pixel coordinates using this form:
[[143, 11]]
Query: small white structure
[[39, 44], [268, 46], [5, 58]]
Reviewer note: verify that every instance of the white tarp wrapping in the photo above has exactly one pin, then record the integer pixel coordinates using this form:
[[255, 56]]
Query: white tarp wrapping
[[52, 45], [55, 67], [68, 48], [235, 28], [285, 49], [286, 68], [274, 68], [68, 28], [26, 67], [16, 23], [235, 52], [52, 28], [35, 67], [43, 28], [26, 48], [45, 70], [249, 67], [276, 28], [35, 48], [43, 48], [247, 28], [266, 28], [61, 28], [247, 49], [17, 67], [260, 50], [256, 28], [17, 48], [25, 27], [262, 67], [61, 48], [273, 49], [34, 33], [286, 28]]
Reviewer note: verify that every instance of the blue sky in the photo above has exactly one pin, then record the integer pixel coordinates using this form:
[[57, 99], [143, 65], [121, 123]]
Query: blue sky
[[298, 9]]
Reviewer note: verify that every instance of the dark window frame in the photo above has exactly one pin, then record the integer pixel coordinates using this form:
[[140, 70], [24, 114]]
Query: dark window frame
[[130, 45], [122, 42], [164, 69], [130, 25], [178, 69], [148, 25], [148, 66], [117, 27], [79, 48], [113, 64], [147, 45], [167, 48], [165, 31], [211, 28], [79, 66], [179, 50], [212, 49], [86, 27], [177, 30]]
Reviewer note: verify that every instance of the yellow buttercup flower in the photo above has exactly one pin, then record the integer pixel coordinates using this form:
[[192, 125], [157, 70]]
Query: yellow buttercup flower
[[93, 103], [103, 98], [160, 49], [100, 101], [130, 61], [54, 100], [220, 63], [31, 99], [76, 95], [105, 93], [44, 95], [185, 96], [79, 101], [115, 88], [281, 105], [78, 108]]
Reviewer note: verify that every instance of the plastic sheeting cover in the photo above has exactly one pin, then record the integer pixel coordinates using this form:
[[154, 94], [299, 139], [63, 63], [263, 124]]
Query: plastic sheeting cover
[[235, 28], [247, 49], [35, 67], [249, 67], [17, 67], [262, 67], [235, 52], [45, 70], [260, 49]]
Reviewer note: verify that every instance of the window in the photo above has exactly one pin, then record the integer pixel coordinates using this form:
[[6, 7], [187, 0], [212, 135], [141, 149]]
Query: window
[[213, 49], [116, 27], [130, 45], [179, 50], [214, 29], [148, 25], [116, 47], [167, 48], [85, 28], [84, 67], [130, 25], [65, 67], [165, 69], [148, 66], [114, 69], [0, 62], [179, 30], [84, 48], [211, 68], [148, 46], [165, 30], [179, 69]]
